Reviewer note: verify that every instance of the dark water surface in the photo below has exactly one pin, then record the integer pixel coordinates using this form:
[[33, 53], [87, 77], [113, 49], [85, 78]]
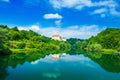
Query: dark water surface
[[60, 67]]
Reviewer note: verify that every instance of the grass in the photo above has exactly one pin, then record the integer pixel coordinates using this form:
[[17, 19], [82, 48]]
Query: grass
[[26, 50], [109, 51]]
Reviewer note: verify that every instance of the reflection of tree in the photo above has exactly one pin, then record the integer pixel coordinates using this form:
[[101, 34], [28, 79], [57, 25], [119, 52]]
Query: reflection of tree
[[3, 71], [14, 60], [20, 58], [109, 62]]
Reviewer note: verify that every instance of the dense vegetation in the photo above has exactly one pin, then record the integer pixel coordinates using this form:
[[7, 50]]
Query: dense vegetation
[[107, 41], [14, 40]]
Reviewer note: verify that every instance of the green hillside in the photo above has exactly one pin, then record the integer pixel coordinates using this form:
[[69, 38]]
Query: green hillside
[[13, 40], [108, 40]]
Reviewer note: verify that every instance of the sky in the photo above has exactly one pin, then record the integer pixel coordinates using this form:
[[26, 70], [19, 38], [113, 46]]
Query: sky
[[70, 18]]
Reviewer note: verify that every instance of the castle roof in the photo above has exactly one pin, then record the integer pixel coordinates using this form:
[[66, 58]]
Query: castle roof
[[56, 35]]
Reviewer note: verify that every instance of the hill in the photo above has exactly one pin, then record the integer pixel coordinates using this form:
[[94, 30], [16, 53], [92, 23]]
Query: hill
[[14, 40], [107, 40]]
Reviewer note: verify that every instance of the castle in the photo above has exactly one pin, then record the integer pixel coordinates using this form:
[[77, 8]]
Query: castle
[[58, 37]]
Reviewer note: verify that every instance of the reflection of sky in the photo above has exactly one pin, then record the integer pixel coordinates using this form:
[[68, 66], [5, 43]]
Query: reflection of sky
[[67, 58], [75, 58], [47, 59], [68, 67]]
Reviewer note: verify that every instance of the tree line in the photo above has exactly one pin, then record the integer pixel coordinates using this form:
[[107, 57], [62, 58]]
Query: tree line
[[107, 41], [14, 40]]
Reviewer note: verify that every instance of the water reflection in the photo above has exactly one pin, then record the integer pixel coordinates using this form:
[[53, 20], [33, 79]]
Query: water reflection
[[60, 66], [58, 56], [109, 62]]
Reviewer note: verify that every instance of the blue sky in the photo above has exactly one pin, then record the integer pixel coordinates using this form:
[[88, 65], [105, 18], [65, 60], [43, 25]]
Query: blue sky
[[70, 18]]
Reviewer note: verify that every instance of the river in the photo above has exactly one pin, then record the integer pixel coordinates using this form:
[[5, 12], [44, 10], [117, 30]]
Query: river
[[61, 66]]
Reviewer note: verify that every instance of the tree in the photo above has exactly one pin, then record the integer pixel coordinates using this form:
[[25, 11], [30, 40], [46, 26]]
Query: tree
[[15, 28], [3, 35], [21, 45], [94, 47]]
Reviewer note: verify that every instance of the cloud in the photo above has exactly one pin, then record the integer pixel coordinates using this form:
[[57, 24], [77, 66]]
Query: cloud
[[52, 16], [58, 23], [99, 11], [76, 31], [78, 4], [114, 12], [108, 6], [70, 3], [102, 12]]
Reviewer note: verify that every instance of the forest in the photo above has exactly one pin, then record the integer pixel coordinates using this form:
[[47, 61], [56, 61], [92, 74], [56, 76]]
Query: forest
[[13, 41], [107, 41]]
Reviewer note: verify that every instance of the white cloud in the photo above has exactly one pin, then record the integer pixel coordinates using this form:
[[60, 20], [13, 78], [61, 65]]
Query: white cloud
[[35, 28], [99, 11], [70, 3], [114, 12], [5, 0], [108, 6], [58, 23], [79, 3], [82, 32], [52, 16], [102, 12]]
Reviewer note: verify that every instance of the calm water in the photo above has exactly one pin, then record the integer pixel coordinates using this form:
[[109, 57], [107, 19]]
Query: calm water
[[60, 67]]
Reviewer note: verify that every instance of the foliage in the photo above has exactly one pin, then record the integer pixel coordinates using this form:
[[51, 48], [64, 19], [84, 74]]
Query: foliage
[[109, 38], [94, 48], [4, 34], [109, 51], [21, 45], [107, 41], [4, 50], [13, 39]]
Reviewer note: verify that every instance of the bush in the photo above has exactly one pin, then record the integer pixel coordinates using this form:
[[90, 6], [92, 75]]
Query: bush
[[4, 50], [21, 45], [109, 51], [118, 49], [94, 48]]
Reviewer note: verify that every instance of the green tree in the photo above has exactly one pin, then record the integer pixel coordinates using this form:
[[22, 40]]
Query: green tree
[[94, 47], [21, 45]]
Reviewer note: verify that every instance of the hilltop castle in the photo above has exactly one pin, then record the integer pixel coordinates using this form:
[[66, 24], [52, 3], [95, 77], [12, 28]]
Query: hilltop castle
[[58, 37]]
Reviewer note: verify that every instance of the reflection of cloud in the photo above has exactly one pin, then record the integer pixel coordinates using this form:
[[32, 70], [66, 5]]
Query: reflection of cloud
[[35, 62], [90, 65], [57, 56], [81, 59], [65, 58], [75, 58], [47, 59], [51, 75]]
